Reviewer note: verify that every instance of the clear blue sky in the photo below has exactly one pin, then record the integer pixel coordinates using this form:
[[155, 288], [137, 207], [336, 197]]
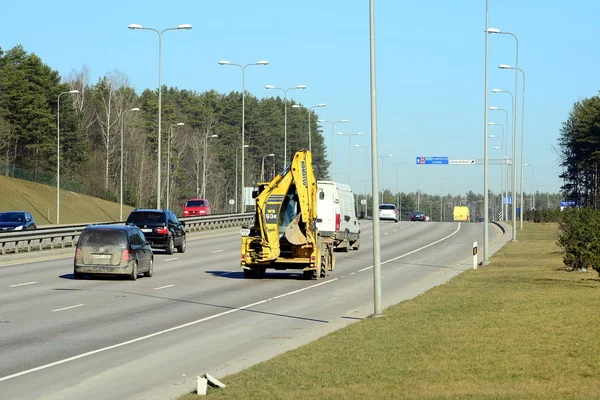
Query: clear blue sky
[[430, 57]]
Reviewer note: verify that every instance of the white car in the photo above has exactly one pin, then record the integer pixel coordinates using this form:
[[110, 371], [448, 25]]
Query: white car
[[389, 211]]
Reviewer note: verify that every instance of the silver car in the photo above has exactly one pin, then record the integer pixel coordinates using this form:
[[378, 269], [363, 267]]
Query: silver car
[[389, 211]]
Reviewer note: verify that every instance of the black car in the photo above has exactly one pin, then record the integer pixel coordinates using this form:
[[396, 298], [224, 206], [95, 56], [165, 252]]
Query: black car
[[114, 250], [16, 221], [417, 216], [161, 227]]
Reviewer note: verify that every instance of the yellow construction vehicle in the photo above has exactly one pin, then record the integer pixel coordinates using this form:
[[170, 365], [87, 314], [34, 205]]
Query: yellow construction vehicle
[[284, 235]]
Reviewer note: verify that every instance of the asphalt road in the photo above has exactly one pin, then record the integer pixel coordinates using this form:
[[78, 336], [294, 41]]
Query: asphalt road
[[104, 338]]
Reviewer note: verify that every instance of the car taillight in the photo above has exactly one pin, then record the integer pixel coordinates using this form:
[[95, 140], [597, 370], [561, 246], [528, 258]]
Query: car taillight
[[125, 255], [78, 255], [337, 222], [395, 211], [162, 231]]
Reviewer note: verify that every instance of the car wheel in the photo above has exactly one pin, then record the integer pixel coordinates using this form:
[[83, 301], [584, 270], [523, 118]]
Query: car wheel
[[134, 271], [181, 247], [150, 271], [170, 246]]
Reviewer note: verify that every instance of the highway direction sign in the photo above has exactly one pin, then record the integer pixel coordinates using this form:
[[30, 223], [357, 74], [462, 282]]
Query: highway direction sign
[[432, 160], [461, 162]]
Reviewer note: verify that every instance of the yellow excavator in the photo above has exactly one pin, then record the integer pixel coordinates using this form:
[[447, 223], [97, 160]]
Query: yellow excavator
[[284, 235]]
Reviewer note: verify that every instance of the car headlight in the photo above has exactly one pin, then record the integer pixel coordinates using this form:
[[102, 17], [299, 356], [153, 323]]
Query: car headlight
[[18, 228]]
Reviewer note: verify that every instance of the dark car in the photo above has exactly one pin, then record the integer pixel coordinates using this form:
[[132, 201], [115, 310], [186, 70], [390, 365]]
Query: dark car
[[417, 216], [16, 221], [113, 250], [161, 227]]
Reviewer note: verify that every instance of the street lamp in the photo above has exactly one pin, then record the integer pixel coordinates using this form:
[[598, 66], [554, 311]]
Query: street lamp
[[349, 145], [382, 159], [514, 150], [441, 192], [169, 161], [186, 27], [262, 171], [204, 164], [243, 68], [121, 172], [502, 185], [365, 180], [309, 127], [332, 125], [533, 184], [236, 177], [418, 187], [398, 199], [74, 91], [504, 66], [271, 87], [502, 169]]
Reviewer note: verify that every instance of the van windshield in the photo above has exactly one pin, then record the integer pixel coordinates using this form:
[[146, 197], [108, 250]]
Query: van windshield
[[194, 203], [107, 237]]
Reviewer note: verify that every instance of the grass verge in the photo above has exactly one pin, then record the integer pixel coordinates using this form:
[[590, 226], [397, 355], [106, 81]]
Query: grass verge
[[520, 328]]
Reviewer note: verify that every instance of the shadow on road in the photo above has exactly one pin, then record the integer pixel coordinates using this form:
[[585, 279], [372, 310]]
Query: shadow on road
[[269, 275]]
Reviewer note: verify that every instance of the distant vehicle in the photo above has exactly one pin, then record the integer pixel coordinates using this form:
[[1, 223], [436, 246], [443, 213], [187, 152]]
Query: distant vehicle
[[16, 221], [417, 216], [336, 215], [389, 211], [196, 208], [461, 214], [161, 227], [480, 219], [113, 250]]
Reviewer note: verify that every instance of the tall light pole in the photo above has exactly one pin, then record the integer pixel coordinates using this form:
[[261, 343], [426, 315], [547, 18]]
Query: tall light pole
[[121, 172], [504, 66], [486, 219], [204, 164], [271, 87], [382, 159], [58, 154], [513, 166], [365, 180], [504, 207], [514, 149], [502, 193], [169, 161], [441, 192], [236, 176], [502, 185], [243, 68], [262, 170], [186, 27], [398, 199], [332, 123], [349, 146], [532, 184], [309, 127]]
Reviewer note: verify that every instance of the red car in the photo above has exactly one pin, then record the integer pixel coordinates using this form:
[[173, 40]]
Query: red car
[[196, 208]]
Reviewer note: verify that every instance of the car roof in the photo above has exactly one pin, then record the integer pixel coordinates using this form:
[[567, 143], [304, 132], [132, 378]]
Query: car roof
[[12, 212], [111, 227], [199, 198], [387, 204], [149, 210]]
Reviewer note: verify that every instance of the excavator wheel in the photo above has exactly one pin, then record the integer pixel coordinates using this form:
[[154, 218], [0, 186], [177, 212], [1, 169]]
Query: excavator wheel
[[308, 275], [323, 269]]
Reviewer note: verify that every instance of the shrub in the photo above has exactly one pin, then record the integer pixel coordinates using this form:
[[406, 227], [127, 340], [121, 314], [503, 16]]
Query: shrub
[[579, 237]]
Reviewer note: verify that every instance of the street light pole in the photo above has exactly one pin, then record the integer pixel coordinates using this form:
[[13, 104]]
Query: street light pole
[[349, 146], [398, 199], [332, 125], [532, 184], [486, 219], [514, 149], [513, 166], [169, 161], [501, 167], [186, 27], [58, 154], [243, 68], [262, 170], [441, 191], [204, 164], [121, 172], [236, 175], [309, 127], [504, 207], [365, 181], [285, 116]]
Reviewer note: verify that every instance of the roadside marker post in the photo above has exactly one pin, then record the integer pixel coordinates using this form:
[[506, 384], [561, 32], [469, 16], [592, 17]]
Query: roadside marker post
[[474, 255]]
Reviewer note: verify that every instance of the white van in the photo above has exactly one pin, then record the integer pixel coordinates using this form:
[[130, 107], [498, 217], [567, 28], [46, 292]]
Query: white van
[[336, 215]]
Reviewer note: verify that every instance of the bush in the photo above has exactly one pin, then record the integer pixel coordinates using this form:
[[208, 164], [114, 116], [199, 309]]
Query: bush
[[543, 215], [579, 237]]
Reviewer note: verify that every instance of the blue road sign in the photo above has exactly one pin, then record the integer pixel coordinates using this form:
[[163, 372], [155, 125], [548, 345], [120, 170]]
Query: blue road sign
[[567, 203], [432, 160], [508, 200]]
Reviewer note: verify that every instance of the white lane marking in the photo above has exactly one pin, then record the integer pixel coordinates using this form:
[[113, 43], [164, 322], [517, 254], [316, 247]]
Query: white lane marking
[[352, 273], [171, 259], [163, 287], [385, 233], [414, 251], [306, 288], [139, 339], [23, 284], [68, 308], [217, 251], [395, 230]]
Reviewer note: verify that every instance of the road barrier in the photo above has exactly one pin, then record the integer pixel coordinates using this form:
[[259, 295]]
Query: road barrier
[[67, 235]]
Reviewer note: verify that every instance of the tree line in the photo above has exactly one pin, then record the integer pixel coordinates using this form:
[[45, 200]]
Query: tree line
[[91, 123]]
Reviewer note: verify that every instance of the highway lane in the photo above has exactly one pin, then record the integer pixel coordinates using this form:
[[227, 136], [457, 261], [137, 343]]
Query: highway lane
[[197, 286]]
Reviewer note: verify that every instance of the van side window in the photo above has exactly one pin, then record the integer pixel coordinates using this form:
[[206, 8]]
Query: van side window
[[321, 195]]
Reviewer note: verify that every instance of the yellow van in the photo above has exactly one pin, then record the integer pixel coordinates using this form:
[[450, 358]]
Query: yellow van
[[461, 214]]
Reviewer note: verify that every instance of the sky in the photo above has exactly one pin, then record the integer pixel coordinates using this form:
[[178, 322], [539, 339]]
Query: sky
[[430, 69]]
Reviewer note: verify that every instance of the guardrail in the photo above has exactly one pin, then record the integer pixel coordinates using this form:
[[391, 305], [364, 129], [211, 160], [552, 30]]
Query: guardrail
[[53, 237]]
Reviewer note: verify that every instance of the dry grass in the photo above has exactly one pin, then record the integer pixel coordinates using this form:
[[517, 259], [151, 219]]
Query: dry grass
[[40, 200], [520, 328]]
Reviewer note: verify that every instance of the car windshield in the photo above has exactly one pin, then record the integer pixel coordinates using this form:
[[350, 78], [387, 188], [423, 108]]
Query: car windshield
[[387, 207], [146, 216], [12, 217], [107, 237], [194, 203]]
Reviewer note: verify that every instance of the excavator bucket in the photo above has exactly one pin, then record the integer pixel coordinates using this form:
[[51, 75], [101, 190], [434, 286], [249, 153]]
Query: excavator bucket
[[294, 234]]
